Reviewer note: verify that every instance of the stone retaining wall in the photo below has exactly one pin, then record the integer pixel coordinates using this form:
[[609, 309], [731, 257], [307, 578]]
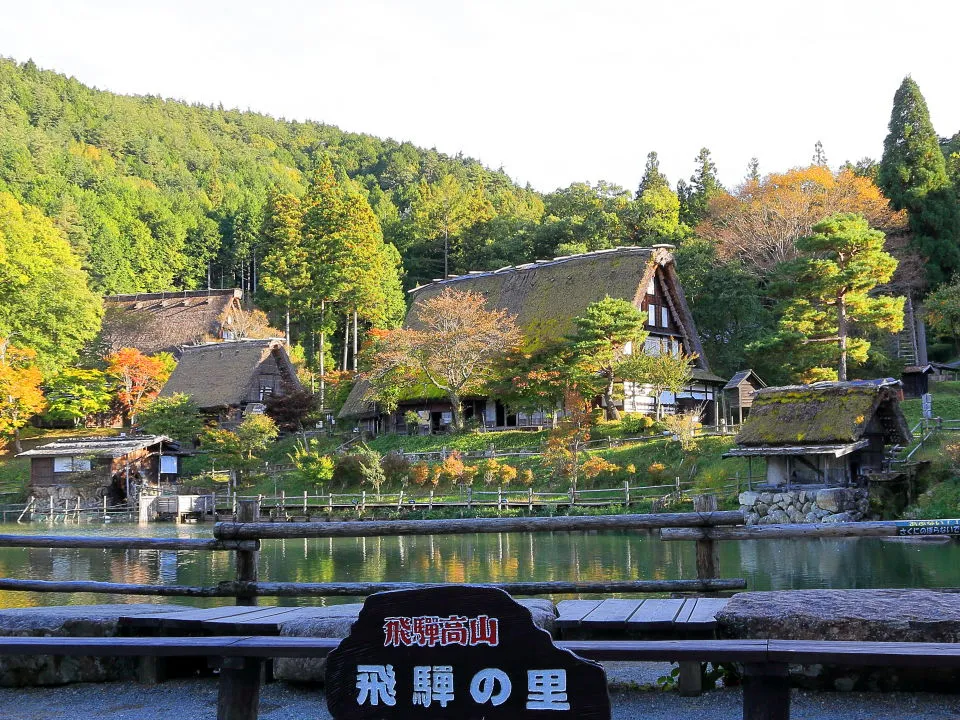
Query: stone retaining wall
[[766, 507]]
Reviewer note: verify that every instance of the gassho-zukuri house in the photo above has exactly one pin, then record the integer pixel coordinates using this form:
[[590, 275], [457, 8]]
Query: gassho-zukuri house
[[227, 379], [828, 433], [546, 296]]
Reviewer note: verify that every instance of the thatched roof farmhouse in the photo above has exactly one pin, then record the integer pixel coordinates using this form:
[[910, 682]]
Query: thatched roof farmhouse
[[163, 322], [825, 433], [225, 377], [546, 296]]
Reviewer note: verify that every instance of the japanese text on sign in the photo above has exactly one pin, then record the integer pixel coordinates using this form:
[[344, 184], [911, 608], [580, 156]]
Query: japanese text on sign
[[432, 631], [546, 689]]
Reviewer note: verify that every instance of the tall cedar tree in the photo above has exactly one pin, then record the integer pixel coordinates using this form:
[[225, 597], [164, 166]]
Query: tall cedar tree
[[453, 343], [913, 174], [843, 262], [284, 273], [704, 185], [600, 338], [20, 395]]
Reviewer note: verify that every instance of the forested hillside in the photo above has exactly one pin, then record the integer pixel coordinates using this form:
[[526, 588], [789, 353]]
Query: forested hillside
[[327, 226]]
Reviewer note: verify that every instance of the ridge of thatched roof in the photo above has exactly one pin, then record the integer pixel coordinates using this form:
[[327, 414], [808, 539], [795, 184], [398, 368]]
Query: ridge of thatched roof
[[162, 322], [824, 413], [219, 375], [111, 447]]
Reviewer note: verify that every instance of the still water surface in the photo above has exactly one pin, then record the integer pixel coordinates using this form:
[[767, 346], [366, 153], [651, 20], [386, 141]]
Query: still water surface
[[585, 556]]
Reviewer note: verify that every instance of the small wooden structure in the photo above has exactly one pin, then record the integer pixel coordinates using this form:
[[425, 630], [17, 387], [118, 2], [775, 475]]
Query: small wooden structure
[[916, 380], [97, 467], [828, 433], [224, 378], [738, 394]]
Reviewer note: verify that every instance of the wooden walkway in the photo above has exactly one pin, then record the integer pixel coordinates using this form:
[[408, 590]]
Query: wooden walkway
[[680, 616], [230, 619]]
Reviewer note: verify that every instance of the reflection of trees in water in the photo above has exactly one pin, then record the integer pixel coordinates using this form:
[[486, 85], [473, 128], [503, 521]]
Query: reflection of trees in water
[[579, 556], [841, 563]]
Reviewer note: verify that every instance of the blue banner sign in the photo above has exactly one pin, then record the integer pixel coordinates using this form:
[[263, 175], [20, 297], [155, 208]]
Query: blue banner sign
[[928, 527]]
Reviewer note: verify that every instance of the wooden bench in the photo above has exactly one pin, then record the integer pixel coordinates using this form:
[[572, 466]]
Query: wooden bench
[[766, 691]]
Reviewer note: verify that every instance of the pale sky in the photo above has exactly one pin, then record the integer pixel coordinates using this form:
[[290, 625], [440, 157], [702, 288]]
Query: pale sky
[[554, 91]]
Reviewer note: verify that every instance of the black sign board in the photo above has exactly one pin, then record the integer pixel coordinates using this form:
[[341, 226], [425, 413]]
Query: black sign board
[[461, 651]]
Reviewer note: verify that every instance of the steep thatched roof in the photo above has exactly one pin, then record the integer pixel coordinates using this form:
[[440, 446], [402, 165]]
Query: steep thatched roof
[[220, 375], [111, 447], [547, 295], [825, 413], [161, 322]]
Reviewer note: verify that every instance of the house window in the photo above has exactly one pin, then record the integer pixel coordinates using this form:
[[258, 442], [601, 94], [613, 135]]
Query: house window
[[651, 315], [168, 464], [70, 464], [651, 346], [664, 316]]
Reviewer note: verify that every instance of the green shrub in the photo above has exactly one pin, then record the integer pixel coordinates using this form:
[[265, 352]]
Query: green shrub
[[635, 424]]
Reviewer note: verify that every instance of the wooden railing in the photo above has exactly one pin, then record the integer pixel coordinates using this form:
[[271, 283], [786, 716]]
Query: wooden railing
[[244, 535]]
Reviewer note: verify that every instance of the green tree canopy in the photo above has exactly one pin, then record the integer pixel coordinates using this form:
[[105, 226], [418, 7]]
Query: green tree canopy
[[600, 340], [830, 296]]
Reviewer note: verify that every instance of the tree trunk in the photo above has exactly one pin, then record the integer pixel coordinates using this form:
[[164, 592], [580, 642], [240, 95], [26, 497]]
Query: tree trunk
[[16, 440], [346, 341], [612, 412], [287, 327], [842, 334], [354, 340], [455, 403], [446, 254], [323, 353]]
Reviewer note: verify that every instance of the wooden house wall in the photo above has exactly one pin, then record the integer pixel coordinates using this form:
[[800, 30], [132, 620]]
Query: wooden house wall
[[659, 299], [144, 462]]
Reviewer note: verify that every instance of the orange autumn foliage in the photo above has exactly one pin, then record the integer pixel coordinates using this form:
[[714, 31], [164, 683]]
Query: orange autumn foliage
[[20, 395], [761, 220], [139, 378]]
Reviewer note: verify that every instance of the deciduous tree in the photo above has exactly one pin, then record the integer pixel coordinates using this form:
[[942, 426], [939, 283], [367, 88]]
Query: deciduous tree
[[942, 308], [177, 417], [74, 394], [20, 395], [138, 378], [453, 343]]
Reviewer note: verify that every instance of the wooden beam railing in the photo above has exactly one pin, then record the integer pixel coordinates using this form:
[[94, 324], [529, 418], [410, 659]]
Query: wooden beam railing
[[891, 528], [766, 689]]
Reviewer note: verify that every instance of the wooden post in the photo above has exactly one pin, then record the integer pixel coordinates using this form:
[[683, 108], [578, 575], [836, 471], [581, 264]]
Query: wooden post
[[500, 497], [690, 682], [530, 499], [430, 507], [469, 498], [400, 499], [304, 502], [50, 519], [708, 558], [766, 692], [363, 501], [330, 502], [239, 692], [247, 571], [104, 507], [626, 493], [573, 497]]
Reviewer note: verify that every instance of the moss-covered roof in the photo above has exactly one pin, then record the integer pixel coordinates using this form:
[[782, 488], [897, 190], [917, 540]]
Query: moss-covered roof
[[824, 413]]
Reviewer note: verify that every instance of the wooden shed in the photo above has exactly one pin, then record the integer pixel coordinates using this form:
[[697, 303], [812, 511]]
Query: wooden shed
[[96, 467], [916, 380], [738, 395], [828, 433]]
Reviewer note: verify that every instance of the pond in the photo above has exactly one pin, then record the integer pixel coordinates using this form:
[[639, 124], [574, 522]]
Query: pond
[[479, 558]]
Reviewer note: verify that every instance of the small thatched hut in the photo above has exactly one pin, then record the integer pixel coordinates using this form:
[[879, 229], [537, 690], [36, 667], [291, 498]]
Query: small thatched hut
[[828, 433], [546, 296], [163, 322], [224, 378], [94, 467]]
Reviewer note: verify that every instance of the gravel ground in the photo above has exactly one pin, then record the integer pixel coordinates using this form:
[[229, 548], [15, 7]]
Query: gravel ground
[[197, 699]]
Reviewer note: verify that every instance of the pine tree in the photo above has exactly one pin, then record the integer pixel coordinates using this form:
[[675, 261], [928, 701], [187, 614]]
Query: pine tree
[[819, 156], [913, 175], [285, 274], [831, 283], [753, 170], [703, 186]]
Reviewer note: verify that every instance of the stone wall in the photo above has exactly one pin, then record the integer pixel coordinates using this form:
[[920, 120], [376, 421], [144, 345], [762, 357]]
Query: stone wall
[[766, 507]]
